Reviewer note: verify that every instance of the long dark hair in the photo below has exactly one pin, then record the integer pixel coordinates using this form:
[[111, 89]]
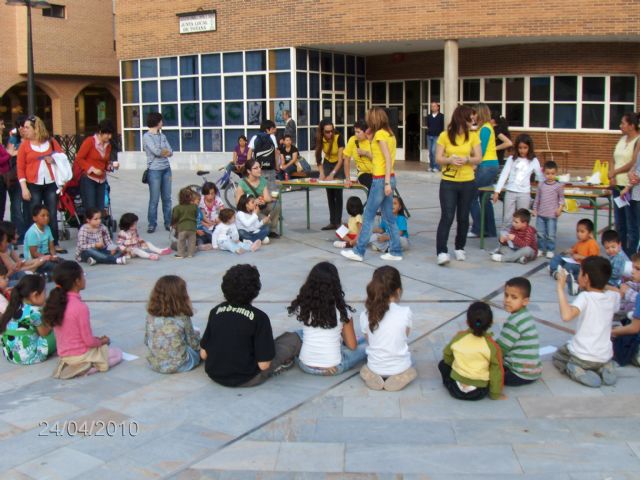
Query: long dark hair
[[459, 123], [384, 283], [319, 298], [26, 286], [65, 276], [528, 141], [320, 137]]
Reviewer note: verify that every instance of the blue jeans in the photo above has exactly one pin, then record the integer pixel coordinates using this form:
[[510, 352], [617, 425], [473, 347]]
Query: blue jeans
[[546, 228], [192, 361], [455, 202], [625, 222], [246, 235], [557, 261], [92, 193], [349, 358], [485, 176], [44, 194], [633, 235], [159, 188], [377, 199], [233, 247], [431, 145], [100, 255], [20, 215]]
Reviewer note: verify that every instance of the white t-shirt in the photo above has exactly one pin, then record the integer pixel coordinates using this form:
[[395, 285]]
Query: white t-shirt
[[517, 175], [592, 341], [321, 346], [387, 350]]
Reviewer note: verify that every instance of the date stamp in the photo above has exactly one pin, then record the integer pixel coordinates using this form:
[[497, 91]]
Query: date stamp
[[94, 428]]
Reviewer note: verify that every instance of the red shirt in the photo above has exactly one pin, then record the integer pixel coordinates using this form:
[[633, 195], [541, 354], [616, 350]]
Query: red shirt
[[74, 336], [88, 156], [29, 160], [525, 238]]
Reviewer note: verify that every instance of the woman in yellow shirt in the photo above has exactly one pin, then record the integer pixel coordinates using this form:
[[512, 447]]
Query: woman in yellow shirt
[[358, 149], [383, 148], [457, 152], [329, 148]]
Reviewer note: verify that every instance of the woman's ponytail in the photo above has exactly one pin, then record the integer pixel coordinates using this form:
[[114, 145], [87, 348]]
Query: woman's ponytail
[[25, 287]]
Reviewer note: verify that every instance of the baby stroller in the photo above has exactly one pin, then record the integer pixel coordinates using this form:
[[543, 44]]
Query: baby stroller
[[72, 211]]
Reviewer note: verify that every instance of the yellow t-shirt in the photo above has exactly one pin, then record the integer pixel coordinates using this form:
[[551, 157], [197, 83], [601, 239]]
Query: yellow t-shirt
[[490, 152], [363, 164], [453, 173], [353, 224], [379, 162], [331, 151]]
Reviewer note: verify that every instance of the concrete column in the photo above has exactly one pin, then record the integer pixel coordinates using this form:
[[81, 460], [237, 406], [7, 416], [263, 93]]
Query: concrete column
[[450, 78]]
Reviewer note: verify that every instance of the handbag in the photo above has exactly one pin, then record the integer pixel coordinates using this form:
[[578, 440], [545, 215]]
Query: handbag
[[145, 176]]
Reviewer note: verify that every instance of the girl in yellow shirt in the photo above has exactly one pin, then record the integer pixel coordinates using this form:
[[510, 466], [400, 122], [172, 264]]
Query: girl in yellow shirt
[[329, 148]]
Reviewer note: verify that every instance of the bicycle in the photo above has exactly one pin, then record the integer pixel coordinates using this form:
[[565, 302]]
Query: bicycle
[[226, 183]]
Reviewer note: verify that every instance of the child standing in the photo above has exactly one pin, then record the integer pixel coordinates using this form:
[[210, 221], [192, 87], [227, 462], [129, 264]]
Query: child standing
[[386, 326], [210, 206], [615, 254], [586, 358], [79, 351], [329, 344], [519, 336], [355, 209], [38, 242], [516, 178], [249, 225], [585, 247], [547, 207], [472, 363], [131, 244], [172, 342], [226, 236], [380, 237], [184, 218], [520, 244], [26, 339], [94, 242]]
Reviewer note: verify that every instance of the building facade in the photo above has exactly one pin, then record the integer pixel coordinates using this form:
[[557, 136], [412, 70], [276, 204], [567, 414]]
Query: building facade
[[75, 64], [565, 73]]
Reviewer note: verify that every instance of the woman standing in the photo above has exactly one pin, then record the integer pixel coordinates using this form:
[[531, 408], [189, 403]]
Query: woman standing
[[383, 147], [485, 174], [359, 149], [330, 144], [458, 151], [93, 159], [158, 151], [255, 185], [503, 136], [623, 161], [35, 172]]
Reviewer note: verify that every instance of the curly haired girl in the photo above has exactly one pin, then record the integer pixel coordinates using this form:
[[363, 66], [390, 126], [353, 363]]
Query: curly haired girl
[[329, 346], [386, 326]]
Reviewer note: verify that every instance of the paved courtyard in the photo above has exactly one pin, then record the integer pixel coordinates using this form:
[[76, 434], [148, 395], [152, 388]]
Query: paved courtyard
[[140, 424]]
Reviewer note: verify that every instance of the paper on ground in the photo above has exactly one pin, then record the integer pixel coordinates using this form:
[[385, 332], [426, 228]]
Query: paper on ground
[[548, 350], [129, 356], [569, 260], [342, 231]]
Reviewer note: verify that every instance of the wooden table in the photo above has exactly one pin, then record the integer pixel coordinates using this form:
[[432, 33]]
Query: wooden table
[[591, 193], [564, 165], [306, 184]]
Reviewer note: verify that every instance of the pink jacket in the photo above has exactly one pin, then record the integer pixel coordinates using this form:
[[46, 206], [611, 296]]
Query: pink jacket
[[74, 336]]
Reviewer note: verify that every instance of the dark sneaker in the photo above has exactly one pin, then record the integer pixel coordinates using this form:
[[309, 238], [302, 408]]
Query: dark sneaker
[[151, 229], [282, 368]]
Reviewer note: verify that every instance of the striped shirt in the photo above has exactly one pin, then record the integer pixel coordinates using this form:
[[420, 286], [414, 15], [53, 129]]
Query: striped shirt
[[549, 197], [520, 345]]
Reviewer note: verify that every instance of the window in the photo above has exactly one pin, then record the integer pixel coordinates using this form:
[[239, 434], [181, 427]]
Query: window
[[55, 11]]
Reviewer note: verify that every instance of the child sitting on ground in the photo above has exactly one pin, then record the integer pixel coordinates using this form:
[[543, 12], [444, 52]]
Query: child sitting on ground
[[38, 242], [329, 344], [184, 218], [626, 338], [132, 245], [585, 247], [629, 289], [210, 206], [226, 236], [26, 339], [4, 284], [380, 237], [547, 208], [172, 343], [16, 267], [472, 363], [386, 326], [586, 358], [94, 242], [354, 224], [520, 244], [518, 338], [615, 255], [238, 346], [79, 351], [249, 225]]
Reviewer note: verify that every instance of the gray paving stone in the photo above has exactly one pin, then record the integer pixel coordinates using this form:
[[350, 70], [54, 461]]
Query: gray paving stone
[[310, 457], [576, 407], [483, 432], [244, 455], [62, 464], [386, 405]]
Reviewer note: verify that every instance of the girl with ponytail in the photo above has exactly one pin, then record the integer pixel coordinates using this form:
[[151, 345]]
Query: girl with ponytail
[[386, 326], [79, 351], [26, 339]]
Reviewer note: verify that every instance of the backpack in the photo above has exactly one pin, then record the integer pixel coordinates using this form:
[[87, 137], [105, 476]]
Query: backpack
[[264, 151]]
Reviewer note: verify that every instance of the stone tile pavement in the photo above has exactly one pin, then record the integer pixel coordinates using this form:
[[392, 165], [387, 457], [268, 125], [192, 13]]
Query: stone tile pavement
[[145, 425]]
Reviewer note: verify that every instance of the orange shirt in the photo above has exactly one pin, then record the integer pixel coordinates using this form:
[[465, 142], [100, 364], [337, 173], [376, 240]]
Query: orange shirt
[[29, 160], [89, 156], [588, 248]]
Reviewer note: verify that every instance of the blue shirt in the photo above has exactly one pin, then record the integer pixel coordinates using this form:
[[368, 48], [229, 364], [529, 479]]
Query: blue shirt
[[37, 238], [618, 261], [401, 222]]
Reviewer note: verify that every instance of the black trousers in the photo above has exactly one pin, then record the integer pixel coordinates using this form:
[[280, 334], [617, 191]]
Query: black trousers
[[513, 380], [334, 195], [451, 385]]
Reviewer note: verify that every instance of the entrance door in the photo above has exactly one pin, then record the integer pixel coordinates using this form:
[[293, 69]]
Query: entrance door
[[334, 107], [412, 120]]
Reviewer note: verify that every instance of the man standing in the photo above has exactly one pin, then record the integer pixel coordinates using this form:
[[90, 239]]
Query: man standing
[[262, 147], [435, 126], [290, 126]]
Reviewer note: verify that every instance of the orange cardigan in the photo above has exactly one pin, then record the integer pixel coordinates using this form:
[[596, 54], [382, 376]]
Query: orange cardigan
[[88, 156], [29, 160]]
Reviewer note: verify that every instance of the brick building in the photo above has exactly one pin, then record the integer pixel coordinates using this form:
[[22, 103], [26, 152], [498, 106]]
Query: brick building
[[75, 64], [564, 72]]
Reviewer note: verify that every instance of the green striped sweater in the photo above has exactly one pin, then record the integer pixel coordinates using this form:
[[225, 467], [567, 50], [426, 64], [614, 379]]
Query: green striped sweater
[[520, 345]]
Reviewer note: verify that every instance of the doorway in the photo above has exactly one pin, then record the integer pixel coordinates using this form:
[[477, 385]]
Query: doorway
[[412, 121]]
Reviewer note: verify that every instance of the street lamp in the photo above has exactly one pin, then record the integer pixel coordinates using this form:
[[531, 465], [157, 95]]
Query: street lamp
[[31, 85]]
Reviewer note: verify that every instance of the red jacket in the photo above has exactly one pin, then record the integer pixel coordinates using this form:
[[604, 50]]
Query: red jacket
[[29, 160], [88, 156]]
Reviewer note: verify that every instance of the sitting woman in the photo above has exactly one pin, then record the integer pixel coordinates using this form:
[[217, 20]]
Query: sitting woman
[[255, 185]]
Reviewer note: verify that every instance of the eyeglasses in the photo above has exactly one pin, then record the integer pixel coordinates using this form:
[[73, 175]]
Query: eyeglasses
[[328, 132]]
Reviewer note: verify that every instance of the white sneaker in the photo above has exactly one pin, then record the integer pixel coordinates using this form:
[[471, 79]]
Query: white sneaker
[[121, 260], [339, 244], [351, 255], [550, 255], [266, 241], [443, 258], [461, 256], [540, 253], [470, 234], [496, 257], [388, 256], [91, 261]]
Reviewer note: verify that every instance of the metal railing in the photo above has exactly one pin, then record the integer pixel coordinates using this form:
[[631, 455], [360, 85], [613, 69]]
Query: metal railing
[[70, 144]]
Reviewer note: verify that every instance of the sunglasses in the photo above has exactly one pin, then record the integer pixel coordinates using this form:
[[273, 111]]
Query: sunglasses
[[328, 131]]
